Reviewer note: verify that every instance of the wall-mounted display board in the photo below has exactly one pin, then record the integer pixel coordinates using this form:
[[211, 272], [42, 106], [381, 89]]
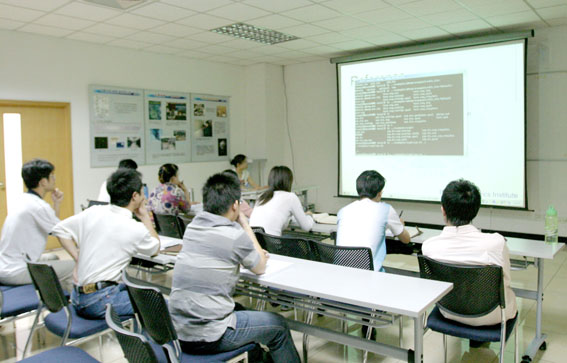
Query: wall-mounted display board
[[168, 127], [117, 125], [209, 127]]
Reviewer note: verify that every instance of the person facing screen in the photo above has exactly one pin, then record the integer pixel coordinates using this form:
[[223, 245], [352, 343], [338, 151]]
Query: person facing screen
[[363, 223], [278, 204], [171, 196]]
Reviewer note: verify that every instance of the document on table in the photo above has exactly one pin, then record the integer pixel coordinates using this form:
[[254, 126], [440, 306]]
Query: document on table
[[324, 218], [167, 242], [272, 267]]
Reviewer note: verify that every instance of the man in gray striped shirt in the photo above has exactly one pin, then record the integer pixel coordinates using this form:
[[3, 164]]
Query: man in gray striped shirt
[[215, 244]]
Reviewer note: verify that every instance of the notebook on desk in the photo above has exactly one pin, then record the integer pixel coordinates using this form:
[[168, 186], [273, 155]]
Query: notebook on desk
[[324, 218]]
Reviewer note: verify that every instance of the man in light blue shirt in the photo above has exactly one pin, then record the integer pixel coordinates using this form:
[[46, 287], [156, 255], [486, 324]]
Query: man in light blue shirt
[[363, 223]]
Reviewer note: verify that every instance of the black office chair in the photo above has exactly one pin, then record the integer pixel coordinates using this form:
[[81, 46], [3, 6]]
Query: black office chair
[[258, 231], [168, 225], [357, 257], [153, 314], [288, 246], [477, 291]]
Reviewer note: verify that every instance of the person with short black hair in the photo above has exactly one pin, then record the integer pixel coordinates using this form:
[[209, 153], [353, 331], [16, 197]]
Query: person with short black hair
[[244, 206], [462, 243], [215, 244], [103, 195], [240, 166], [108, 236], [27, 225], [171, 196], [276, 206], [363, 223]]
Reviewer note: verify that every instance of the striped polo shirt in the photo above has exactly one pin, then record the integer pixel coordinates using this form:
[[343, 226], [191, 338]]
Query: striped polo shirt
[[204, 277]]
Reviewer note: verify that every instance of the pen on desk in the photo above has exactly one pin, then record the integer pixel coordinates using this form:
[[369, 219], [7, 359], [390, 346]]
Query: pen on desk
[[400, 215]]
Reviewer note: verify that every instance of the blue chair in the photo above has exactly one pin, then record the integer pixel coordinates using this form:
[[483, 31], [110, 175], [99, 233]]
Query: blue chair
[[63, 319], [153, 314], [477, 291], [61, 354]]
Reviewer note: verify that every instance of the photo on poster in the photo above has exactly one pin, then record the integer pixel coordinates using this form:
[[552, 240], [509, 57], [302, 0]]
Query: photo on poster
[[205, 150], [203, 128], [180, 135], [101, 142], [222, 147], [156, 134], [168, 143], [176, 111], [221, 111], [220, 128], [198, 109], [115, 142], [120, 144], [154, 110], [134, 142]]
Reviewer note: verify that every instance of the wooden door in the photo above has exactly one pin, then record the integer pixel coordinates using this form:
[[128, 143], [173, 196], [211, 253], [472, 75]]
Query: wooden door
[[46, 134]]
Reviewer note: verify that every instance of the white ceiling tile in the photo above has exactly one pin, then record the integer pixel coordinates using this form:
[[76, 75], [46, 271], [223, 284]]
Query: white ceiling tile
[[425, 7], [399, 2], [126, 43], [163, 12], [365, 31], [245, 54], [63, 21], [210, 37], [313, 58], [500, 8], [323, 49], [466, 26], [135, 21], [89, 12], [271, 49], [204, 21], [238, 12], [241, 44], [304, 30], [311, 13], [344, 22], [176, 30], [553, 12], [10, 24], [44, 5], [449, 17], [245, 62], [298, 44], [329, 38], [198, 5], [385, 39], [193, 54], [92, 38], [274, 21], [556, 21], [353, 44], [45, 30], [383, 15], [224, 59], [287, 62], [150, 37], [110, 30], [404, 24], [353, 7], [266, 58], [216, 49], [277, 5], [546, 3], [185, 43], [513, 19], [425, 33], [162, 49], [19, 14], [293, 54]]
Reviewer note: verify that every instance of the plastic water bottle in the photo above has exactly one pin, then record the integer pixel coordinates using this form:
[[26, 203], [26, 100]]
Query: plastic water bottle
[[551, 231]]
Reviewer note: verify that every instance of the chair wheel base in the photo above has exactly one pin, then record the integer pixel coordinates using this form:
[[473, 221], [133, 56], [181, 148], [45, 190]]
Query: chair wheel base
[[543, 346]]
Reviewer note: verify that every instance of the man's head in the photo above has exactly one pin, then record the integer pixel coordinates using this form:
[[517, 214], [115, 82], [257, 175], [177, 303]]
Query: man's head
[[221, 195], [369, 184], [128, 164], [39, 173], [460, 202], [124, 187]]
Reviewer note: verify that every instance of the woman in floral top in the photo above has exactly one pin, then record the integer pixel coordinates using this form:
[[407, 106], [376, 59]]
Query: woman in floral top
[[171, 196]]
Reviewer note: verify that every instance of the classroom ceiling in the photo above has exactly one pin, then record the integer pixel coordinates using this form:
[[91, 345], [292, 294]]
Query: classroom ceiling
[[326, 28]]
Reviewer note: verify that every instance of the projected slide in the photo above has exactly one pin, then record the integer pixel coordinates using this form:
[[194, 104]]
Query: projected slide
[[423, 120]]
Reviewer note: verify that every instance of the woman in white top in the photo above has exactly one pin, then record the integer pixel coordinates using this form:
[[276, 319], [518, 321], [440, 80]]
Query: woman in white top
[[240, 164], [277, 205]]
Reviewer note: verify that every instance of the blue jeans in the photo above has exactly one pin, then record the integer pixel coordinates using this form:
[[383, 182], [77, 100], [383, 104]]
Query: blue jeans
[[252, 327], [93, 306]]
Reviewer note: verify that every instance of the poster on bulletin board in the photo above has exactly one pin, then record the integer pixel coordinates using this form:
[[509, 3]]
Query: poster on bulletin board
[[116, 125], [210, 121], [168, 127]]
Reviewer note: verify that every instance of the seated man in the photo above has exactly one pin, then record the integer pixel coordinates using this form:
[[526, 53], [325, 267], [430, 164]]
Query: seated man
[[462, 243], [363, 223], [215, 244], [103, 195], [103, 239], [26, 228]]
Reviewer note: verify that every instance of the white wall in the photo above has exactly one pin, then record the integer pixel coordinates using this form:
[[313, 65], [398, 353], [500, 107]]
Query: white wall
[[38, 68], [311, 90]]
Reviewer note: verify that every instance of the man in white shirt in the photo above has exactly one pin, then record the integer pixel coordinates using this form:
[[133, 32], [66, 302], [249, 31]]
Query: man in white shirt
[[103, 239], [462, 243], [103, 195], [363, 223], [26, 228]]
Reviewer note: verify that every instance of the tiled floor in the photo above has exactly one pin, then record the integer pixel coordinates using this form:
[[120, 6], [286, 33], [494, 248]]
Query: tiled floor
[[554, 324]]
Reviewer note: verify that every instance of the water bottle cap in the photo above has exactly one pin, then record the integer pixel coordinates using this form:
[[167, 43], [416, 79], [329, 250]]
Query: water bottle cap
[[551, 211]]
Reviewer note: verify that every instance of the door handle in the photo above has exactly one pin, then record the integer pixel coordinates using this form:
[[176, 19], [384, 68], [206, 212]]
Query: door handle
[[1, 185]]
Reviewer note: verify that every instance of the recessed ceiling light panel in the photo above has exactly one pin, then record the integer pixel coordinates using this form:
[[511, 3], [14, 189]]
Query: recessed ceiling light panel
[[251, 32]]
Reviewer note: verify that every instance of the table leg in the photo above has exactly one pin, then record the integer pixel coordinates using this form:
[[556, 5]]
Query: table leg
[[418, 338], [539, 340]]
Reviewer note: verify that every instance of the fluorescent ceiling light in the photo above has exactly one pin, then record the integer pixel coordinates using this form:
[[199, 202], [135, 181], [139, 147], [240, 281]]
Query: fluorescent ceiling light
[[251, 32]]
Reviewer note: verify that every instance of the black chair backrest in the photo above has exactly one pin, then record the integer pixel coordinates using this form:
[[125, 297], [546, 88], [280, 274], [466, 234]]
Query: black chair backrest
[[168, 225], [258, 231], [47, 285], [150, 306], [183, 222], [357, 257], [477, 290], [289, 246], [135, 346]]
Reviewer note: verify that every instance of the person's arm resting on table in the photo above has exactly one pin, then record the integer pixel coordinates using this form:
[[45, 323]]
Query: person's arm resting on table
[[396, 225], [260, 266]]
